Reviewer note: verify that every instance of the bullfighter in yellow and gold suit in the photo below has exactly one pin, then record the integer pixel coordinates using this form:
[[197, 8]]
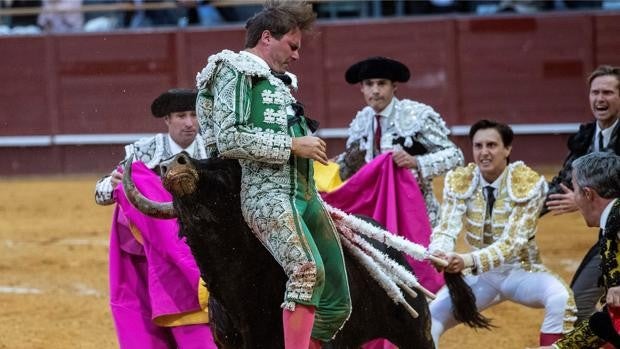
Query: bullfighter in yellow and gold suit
[[497, 204]]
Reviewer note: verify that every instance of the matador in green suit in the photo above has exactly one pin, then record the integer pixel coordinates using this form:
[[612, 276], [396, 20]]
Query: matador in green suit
[[247, 112]]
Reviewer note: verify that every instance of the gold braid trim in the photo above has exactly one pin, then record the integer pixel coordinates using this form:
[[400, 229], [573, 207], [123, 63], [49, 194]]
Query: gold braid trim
[[581, 337], [610, 247]]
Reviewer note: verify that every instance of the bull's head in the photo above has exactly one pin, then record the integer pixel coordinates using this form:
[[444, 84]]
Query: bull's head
[[179, 178]]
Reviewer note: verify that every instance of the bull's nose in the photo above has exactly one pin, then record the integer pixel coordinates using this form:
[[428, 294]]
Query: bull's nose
[[182, 159], [163, 169]]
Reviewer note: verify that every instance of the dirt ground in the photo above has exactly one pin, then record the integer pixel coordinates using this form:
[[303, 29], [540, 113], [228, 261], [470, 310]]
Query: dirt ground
[[54, 283]]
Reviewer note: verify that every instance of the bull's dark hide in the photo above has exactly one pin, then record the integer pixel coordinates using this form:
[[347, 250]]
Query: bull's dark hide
[[246, 284]]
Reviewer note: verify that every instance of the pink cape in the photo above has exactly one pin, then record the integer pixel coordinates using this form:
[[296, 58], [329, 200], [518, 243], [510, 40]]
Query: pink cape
[[390, 194], [158, 277]]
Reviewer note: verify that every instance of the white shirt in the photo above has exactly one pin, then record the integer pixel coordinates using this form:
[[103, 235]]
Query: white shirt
[[175, 148], [606, 134], [605, 215], [495, 185], [385, 113]]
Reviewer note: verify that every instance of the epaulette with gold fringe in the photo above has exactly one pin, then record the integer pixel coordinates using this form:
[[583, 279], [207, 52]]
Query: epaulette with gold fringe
[[461, 181], [524, 183]]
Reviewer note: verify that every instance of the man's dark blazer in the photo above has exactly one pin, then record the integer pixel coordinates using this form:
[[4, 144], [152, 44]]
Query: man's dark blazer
[[579, 145]]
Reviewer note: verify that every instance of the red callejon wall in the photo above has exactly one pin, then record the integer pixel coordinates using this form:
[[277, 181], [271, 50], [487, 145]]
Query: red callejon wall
[[58, 89], [525, 70]]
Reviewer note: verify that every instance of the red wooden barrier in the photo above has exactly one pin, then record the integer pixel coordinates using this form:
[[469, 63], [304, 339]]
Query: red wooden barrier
[[517, 69]]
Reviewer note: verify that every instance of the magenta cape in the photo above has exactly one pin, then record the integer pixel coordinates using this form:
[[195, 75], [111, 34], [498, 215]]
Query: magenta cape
[[154, 278], [390, 194]]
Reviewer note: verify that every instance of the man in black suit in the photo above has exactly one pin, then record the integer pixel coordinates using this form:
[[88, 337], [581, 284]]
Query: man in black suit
[[596, 183], [602, 134]]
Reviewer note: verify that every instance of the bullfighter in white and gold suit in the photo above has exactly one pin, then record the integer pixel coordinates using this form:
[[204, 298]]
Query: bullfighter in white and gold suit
[[497, 204]]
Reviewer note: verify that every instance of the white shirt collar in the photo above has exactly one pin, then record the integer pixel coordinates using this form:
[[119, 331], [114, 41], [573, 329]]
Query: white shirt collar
[[387, 111], [175, 148], [606, 133], [606, 213], [495, 183]]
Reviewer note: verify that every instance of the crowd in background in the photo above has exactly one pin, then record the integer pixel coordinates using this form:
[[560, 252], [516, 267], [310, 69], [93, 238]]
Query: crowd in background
[[61, 16]]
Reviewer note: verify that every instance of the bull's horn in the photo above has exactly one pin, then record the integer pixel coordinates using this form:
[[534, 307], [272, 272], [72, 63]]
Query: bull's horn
[[163, 210]]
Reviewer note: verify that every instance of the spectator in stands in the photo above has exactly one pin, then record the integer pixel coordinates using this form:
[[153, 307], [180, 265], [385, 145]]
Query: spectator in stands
[[201, 12], [522, 6], [581, 4], [602, 134], [21, 20], [102, 20], [61, 16], [239, 13], [162, 17], [438, 6]]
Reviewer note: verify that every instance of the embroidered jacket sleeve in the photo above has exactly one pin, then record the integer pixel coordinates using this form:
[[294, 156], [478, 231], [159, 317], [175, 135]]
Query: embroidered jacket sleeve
[[443, 155], [103, 191], [609, 243], [234, 135], [103, 188], [527, 190], [457, 188], [204, 110]]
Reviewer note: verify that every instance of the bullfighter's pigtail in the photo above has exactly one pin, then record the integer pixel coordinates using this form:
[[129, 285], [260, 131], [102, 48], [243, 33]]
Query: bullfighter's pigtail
[[464, 302]]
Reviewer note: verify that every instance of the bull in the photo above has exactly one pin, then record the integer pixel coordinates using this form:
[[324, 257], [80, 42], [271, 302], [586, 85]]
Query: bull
[[245, 283]]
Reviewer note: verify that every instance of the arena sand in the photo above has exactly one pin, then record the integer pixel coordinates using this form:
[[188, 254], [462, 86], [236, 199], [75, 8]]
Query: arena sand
[[54, 283]]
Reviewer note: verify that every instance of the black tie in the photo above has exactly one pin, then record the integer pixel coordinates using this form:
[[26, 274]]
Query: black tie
[[490, 199], [600, 141], [282, 76], [298, 108]]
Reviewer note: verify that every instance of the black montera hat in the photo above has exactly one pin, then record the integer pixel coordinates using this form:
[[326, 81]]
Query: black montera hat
[[377, 68], [174, 100]]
